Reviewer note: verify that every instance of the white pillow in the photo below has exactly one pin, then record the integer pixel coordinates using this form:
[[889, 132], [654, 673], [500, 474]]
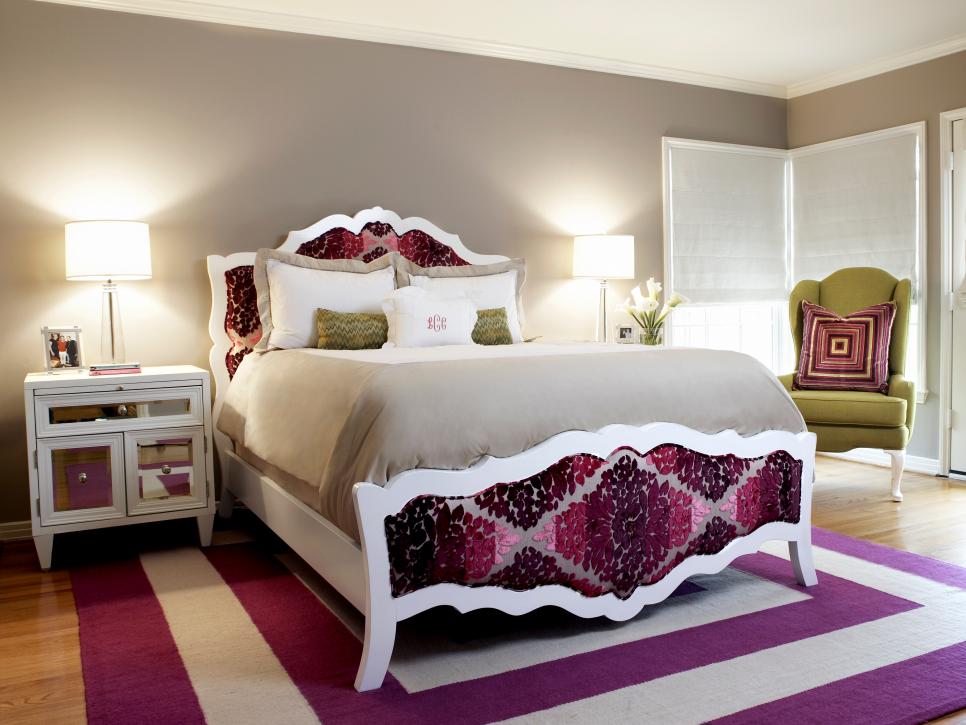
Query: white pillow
[[297, 292], [419, 319], [487, 292]]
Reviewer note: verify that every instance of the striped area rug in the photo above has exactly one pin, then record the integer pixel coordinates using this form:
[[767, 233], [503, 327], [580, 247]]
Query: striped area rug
[[234, 634]]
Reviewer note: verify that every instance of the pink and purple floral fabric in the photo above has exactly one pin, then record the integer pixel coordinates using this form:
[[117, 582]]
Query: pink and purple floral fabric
[[376, 239], [594, 525]]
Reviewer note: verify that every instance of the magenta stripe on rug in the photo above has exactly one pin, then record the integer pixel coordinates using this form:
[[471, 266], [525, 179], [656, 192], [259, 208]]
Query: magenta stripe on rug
[[132, 670], [296, 625], [938, 571], [905, 693]]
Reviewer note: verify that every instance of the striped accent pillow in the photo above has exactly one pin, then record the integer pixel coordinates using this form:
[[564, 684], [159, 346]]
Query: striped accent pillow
[[492, 327], [845, 353], [351, 330]]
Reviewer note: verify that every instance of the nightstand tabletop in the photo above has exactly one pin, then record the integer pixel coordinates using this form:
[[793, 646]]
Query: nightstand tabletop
[[74, 378]]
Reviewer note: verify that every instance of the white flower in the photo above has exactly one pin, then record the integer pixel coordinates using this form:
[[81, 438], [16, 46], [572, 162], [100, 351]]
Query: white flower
[[653, 288], [648, 305], [677, 299], [638, 297], [625, 306]]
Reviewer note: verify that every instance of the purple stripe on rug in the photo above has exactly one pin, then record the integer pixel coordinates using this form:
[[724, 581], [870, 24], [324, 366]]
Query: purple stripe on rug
[[306, 636], [904, 693], [132, 670], [939, 571]]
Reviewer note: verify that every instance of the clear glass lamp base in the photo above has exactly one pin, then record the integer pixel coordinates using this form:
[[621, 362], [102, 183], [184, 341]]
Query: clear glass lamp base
[[112, 332]]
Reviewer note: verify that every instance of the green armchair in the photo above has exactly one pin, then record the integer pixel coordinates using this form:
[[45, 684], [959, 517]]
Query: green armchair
[[843, 420]]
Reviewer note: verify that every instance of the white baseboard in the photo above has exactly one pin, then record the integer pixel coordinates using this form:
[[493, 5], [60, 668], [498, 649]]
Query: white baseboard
[[918, 464], [14, 530]]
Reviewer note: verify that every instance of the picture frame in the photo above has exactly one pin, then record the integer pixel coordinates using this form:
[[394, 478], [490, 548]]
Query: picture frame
[[624, 334], [63, 348]]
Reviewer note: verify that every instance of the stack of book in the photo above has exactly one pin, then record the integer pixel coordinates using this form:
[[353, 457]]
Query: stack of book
[[116, 368]]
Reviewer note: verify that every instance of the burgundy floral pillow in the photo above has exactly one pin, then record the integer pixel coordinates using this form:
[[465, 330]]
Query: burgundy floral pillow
[[845, 353]]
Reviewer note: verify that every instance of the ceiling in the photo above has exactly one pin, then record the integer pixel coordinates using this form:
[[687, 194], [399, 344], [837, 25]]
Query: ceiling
[[781, 48]]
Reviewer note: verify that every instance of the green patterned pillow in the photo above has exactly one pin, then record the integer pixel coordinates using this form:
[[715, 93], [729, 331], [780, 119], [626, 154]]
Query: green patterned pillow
[[351, 330], [492, 328]]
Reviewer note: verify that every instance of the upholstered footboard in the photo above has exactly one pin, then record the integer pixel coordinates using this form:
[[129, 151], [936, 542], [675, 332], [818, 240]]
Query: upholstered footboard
[[600, 524]]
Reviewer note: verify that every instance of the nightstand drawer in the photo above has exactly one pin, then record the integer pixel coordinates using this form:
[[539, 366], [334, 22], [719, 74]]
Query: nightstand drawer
[[165, 470], [81, 479], [82, 413]]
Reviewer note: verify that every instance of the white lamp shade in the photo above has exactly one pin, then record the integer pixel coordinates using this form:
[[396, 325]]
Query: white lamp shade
[[100, 250], [604, 256]]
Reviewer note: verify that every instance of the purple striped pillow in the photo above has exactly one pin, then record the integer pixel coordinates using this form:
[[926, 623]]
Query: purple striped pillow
[[845, 353]]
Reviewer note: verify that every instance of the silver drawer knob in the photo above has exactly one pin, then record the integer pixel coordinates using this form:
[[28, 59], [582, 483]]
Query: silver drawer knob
[[122, 409], [164, 469], [82, 478]]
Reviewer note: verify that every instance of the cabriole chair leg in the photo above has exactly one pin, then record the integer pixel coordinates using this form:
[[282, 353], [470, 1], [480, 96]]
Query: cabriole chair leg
[[898, 464]]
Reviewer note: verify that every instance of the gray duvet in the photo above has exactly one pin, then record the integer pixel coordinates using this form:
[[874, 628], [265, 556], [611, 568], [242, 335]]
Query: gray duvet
[[331, 419]]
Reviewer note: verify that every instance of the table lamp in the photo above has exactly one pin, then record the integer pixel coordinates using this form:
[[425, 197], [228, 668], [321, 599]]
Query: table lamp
[[604, 257], [108, 251]]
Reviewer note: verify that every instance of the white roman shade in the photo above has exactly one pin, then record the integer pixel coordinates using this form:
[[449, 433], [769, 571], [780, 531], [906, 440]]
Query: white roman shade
[[725, 221], [856, 204]]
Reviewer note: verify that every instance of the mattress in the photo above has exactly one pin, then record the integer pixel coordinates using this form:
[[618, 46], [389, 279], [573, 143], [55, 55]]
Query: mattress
[[319, 421]]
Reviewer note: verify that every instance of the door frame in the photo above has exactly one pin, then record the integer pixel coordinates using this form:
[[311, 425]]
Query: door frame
[[947, 299]]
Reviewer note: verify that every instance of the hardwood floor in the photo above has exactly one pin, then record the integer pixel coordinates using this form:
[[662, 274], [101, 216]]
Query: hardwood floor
[[40, 668]]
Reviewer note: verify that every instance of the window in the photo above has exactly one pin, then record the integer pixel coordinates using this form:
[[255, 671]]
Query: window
[[744, 224], [759, 329]]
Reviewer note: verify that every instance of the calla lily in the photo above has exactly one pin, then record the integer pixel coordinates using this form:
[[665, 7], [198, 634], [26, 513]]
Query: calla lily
[[653, 288], [638, 296], [648, 305], [677, 299]]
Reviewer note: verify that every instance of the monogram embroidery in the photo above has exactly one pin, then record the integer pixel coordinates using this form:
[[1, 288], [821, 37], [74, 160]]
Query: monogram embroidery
[[436, 323]]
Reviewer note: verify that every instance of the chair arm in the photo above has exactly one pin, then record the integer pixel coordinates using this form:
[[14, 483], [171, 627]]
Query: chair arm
[[787, 380], [899, 387]]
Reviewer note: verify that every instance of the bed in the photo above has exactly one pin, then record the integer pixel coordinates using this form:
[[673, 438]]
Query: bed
[[595, 478]]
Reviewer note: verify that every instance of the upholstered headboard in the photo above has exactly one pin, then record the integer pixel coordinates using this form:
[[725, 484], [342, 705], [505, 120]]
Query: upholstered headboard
[[234, 325]]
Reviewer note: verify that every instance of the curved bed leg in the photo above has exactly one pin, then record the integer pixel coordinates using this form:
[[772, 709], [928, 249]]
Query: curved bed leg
[[800, 552], [376, 651], [380, 611]]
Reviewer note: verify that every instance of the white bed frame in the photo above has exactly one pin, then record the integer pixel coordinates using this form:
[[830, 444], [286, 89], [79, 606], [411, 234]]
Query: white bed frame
[[360, 572]]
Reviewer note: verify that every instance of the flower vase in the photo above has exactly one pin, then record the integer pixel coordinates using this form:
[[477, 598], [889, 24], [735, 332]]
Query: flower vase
[[652, 335]]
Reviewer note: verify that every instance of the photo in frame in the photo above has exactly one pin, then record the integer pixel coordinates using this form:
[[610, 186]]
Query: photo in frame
[[62, 348], [624, 334]]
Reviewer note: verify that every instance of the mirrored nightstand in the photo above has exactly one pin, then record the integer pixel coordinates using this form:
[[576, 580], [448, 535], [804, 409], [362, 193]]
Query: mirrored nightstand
[[118, 449]]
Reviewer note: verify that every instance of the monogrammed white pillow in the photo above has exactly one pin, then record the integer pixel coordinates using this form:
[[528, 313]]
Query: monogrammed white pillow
[[297, 292], [487, 292], [419, 319]]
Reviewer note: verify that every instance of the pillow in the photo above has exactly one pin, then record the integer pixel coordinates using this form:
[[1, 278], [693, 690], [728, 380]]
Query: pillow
[[845, 353], [291, 287], [488, 285], [419, 319], [491, 328], [351, 330]]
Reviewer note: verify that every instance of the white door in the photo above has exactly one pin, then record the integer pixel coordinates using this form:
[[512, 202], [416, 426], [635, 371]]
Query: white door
[[957, 459]]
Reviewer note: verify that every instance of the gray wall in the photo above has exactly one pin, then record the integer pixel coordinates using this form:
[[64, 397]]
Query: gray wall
[[917, 93], [223, 139]]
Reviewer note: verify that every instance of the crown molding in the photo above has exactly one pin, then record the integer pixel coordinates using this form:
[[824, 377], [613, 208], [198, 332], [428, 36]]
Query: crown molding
[[215, 13], [212, 12], [877, 67]]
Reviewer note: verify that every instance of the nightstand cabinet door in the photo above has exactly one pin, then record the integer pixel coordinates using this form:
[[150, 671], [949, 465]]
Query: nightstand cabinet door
[[81, 479], [165, 470]]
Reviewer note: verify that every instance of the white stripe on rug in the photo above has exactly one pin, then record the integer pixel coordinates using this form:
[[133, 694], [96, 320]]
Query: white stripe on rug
[[235, 674], [423, 659], [722, 688]]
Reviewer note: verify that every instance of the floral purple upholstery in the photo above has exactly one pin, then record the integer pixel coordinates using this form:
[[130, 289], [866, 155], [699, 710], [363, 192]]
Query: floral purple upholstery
[[242, 324], [591, 524]]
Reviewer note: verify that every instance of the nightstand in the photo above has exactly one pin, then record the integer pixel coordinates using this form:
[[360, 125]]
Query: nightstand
[[113, 450]]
